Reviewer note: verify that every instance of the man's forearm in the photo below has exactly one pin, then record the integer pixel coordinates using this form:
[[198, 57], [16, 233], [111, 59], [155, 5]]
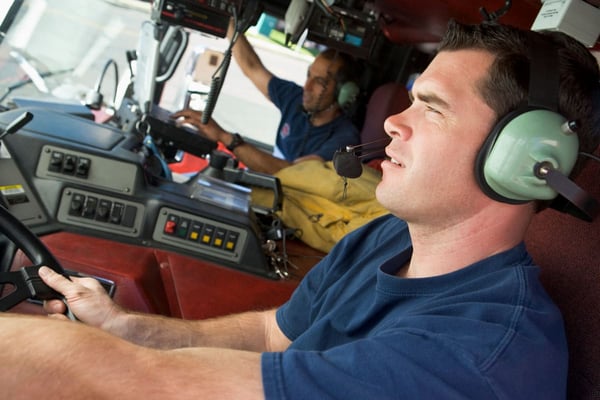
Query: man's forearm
[[259, 160], [247, 331], [249, 62], [45, 358], [245, 56]]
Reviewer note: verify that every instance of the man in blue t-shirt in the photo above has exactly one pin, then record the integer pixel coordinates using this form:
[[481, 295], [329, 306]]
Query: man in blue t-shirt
[[438, 299], [313, 124]]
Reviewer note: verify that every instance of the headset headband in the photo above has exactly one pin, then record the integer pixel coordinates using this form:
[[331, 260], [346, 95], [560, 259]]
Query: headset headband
[[544, 81]]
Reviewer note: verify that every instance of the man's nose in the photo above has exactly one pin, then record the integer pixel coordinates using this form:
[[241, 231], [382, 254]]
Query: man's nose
[[308, 84], [396, 128]]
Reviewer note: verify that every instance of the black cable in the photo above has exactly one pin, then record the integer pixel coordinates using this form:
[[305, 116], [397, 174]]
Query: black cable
[[94, 97], [101, 77], [593, 157], [218, 77]]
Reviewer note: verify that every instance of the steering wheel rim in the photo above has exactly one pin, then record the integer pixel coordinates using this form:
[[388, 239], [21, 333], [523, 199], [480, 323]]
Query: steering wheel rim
[[27, 241], [26, 281]]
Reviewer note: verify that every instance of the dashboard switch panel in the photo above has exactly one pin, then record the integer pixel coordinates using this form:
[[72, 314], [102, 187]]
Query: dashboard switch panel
[[199, 234], [95, 171], [98, 211]]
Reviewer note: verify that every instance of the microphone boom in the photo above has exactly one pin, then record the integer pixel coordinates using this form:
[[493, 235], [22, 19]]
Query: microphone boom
[[348, 165]]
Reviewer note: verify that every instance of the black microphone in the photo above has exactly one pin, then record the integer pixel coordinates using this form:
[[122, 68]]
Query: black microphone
[[348, 164]]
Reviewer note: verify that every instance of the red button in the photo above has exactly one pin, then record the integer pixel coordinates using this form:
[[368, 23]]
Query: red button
[[170, 227]]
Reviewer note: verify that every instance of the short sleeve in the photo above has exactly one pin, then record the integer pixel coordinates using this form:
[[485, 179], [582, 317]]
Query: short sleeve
[[392, 366]]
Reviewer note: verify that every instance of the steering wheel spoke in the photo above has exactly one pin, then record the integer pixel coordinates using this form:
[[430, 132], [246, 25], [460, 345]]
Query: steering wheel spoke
[[26, 282]]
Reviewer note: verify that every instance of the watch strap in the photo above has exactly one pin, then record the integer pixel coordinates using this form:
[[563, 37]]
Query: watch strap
[[237, 141]]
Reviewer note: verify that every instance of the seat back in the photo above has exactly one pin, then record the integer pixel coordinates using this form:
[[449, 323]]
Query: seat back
[[568, 252], [388, 99]]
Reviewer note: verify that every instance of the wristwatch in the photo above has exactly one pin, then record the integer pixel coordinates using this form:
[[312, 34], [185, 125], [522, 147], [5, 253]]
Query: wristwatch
[[237, 140]]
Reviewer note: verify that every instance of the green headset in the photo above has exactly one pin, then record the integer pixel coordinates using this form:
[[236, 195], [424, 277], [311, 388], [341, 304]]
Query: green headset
[[528, 142], [346, 89], [347, 92]]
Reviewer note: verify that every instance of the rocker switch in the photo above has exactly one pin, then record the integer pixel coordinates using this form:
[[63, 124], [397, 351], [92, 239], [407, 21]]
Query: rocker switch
[[83, 167]]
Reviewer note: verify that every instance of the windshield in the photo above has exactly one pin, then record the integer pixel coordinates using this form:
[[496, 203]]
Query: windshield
[[58, 50]]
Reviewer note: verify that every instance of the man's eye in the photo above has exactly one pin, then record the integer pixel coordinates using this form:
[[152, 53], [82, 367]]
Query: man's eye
[[429, 108]]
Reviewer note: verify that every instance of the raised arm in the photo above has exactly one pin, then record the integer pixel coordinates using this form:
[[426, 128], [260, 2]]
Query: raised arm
[[249, 62]]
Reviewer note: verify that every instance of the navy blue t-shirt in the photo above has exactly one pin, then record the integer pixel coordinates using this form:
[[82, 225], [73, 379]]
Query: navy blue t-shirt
[[487, 331], [296, 136]]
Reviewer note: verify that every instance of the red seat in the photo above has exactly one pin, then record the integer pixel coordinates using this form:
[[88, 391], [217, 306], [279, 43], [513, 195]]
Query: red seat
[[568, 251], [388, 99]]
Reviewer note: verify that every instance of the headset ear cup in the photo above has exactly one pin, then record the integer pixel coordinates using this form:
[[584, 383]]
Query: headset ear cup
[[347, 94], [505, 166]]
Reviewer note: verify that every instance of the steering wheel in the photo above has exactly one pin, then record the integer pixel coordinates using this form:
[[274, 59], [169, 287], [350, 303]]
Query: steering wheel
[[26, 281]]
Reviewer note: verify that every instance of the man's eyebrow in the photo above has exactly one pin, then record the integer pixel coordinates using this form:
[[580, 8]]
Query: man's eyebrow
[[430, 98]]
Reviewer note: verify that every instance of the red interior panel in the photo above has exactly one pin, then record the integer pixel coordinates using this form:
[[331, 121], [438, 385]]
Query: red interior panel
[[425, 20], [199, 290], [162, 282]]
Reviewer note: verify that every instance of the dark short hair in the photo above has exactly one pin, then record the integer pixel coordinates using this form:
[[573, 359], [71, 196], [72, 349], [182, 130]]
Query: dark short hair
[[506, 86], [348, 71]]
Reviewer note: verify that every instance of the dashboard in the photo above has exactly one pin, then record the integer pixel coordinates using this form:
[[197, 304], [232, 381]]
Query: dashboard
[[66, 173]]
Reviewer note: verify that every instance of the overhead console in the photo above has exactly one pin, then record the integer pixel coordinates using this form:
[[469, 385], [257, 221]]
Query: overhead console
[[210, 16], [349, 26], [62, 172]]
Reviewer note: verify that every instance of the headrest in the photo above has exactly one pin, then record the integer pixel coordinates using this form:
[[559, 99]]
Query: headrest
[[388, 99], [568, 253]]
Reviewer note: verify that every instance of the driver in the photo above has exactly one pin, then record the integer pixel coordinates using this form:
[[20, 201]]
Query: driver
[[438, 299]]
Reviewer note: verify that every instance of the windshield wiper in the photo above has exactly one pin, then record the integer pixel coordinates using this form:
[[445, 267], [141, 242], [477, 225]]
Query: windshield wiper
[[29, 80]]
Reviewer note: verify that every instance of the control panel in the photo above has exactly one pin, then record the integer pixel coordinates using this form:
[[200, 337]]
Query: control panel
[[94, 180], [16, 193], [199, 234], [209, 16], [75, 166], [99, 211]]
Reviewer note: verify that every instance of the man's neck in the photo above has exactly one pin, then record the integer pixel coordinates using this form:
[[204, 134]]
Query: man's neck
[[325, 116], [441, 251]]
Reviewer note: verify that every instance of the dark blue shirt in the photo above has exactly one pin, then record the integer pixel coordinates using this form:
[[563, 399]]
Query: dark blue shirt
[[296, 136], [487, 331]]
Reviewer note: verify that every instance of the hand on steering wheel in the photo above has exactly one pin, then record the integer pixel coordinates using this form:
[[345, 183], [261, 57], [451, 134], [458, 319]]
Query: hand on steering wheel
[[26, 281], [85, 297]]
